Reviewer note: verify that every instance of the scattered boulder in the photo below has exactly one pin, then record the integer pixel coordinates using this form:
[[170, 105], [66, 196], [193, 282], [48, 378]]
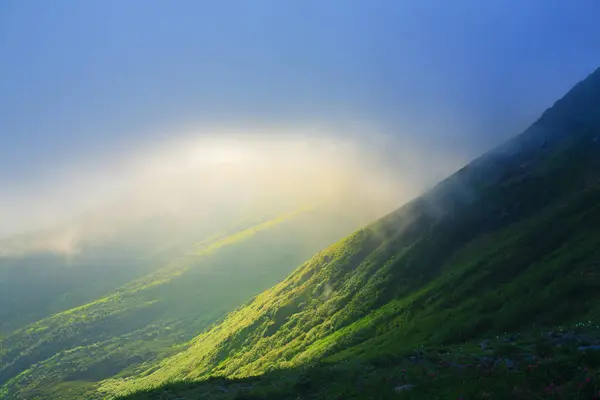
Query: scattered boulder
[[510, 364], [485, 360], [403, 388], [564, 338], [586, 348]]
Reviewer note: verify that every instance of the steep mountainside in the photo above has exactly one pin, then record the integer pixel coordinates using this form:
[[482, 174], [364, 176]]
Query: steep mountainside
[[65, 353], [508, 243]]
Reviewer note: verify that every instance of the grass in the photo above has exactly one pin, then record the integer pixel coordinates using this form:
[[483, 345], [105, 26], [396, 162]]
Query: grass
[[507, 244], [152, 317], [329, 308], [443, 372]]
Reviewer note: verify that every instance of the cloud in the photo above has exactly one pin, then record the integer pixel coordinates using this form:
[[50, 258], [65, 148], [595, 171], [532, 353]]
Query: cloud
[[214, 171]]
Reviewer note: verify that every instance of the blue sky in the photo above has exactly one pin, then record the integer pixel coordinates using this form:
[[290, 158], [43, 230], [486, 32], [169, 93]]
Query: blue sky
[[89, 81]]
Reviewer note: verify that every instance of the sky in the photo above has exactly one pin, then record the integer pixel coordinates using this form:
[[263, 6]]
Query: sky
[[88, 86]]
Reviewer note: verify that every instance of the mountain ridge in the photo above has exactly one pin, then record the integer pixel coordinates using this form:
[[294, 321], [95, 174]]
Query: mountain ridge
[[434, 270]]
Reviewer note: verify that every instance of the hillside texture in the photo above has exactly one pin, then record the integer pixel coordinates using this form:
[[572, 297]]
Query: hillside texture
[[66, 353], [507, 244]]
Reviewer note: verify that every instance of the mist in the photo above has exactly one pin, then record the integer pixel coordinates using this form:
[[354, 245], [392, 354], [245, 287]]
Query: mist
[[272, 103], [206, 173]]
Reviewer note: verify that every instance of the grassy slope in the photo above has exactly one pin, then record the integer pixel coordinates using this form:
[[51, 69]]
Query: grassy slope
[[529, 366], [506, 244], [38, 284], [35, 286], [67, 352]]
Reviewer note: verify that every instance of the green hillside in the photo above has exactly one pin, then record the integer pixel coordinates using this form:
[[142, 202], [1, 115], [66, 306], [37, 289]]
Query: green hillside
[[507, 244], [45, 272], [64, 354]]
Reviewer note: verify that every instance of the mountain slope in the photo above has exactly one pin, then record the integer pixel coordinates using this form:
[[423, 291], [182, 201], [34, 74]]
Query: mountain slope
[[46, 272], [507, 243], [143, 319]]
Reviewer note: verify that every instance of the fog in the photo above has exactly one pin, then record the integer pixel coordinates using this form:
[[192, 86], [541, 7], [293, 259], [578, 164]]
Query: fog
[[206, 173], [190, 108]]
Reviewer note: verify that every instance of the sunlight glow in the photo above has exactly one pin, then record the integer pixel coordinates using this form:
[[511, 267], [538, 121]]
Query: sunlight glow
[[215, 152], [216, 172]]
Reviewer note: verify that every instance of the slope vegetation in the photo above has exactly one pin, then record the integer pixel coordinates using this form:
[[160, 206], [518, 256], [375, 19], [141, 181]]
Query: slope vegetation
[[508, 243], [64, 354]]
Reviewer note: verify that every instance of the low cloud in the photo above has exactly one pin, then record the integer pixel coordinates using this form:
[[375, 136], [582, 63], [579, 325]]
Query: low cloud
[[209, 172]]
